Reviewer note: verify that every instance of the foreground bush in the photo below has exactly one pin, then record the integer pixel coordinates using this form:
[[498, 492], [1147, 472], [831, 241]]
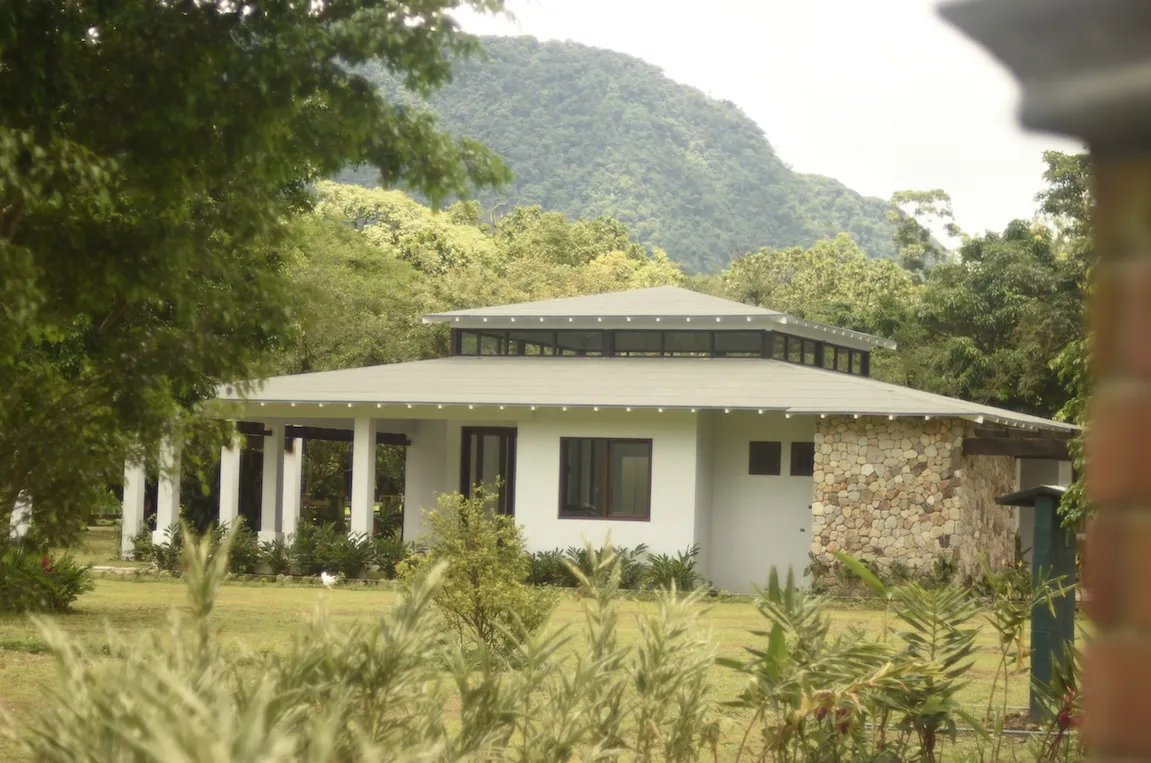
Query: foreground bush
[[34, 582], [404, 689], [485, 597], [396, 689], [244, 557], [327, 548]]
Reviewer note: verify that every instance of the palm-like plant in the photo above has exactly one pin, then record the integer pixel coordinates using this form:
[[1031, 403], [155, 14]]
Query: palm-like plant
[[938, 637]]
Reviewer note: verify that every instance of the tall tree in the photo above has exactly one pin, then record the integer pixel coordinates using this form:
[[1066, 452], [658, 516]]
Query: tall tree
[[914, 213], [995, 317], [1068, 201], [150, 156]]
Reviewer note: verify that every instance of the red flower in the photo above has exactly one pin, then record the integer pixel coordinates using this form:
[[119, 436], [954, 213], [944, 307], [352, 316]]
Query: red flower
[[46, 565], [843, 715], [820, 713]]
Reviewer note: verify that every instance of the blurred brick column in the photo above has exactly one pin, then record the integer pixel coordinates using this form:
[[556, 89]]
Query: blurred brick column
[[1085, 70], [1117, 684]]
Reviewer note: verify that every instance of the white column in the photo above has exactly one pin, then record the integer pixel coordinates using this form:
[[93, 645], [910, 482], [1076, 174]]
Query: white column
[[167, 490], [271, 500], [293, 482], [21, 521], [230, 480], [363, 476], [1066, 472], [135, 480]]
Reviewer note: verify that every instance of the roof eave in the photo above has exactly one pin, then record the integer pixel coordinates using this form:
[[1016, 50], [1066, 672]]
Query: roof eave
[[781, 319]]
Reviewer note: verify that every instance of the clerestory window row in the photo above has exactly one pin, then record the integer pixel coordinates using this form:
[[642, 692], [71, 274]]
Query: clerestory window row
[[666, 344]]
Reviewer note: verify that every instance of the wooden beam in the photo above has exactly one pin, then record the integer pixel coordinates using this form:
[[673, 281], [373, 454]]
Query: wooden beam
[[1020, 447], [1020, 434], [320, 433]]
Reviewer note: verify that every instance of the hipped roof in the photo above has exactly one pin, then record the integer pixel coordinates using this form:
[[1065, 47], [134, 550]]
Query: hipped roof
[[700, 383]]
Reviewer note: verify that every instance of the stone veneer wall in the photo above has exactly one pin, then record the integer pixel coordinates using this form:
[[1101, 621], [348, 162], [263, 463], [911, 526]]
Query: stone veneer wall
[[902, 490]]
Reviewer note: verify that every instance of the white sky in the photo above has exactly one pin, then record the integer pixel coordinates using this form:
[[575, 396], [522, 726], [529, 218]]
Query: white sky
[[879, 94]]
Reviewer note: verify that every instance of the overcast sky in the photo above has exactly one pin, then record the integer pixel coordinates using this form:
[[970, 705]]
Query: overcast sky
[[879, 94]]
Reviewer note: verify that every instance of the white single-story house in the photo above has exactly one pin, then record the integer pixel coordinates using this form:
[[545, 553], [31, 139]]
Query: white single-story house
[[659, 416]]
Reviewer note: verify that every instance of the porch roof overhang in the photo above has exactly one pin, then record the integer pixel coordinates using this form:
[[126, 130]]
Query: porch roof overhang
[[651, 383]]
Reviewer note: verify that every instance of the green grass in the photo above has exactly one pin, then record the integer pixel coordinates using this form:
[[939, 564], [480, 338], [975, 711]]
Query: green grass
[[100, 544], [265, 616]]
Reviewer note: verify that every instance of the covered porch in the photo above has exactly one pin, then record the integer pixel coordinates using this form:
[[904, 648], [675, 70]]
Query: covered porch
[[431, 437]]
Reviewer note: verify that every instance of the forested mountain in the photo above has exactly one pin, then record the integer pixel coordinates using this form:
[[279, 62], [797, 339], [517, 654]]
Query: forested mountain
[[591, 132]]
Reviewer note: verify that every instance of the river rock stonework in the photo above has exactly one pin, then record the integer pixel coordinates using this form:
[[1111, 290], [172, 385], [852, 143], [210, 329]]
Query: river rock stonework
[[902, 491]]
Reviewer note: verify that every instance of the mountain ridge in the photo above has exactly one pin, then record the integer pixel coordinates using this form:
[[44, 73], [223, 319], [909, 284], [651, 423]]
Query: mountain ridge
[[590, 131]]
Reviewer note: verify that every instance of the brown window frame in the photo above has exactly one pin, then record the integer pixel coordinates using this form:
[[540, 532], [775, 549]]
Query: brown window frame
[[606, 492], [505, 501], [774, 467], [792, 458]]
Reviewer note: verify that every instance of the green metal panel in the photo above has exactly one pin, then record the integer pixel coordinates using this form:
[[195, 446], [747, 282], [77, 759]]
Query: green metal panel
[[1053, 555]]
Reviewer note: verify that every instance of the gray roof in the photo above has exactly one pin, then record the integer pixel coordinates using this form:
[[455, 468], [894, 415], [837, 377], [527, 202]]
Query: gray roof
[[657, 301], [715, 383]]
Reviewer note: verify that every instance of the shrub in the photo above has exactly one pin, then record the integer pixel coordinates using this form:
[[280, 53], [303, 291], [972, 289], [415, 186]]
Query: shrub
[[277, 554], [163, 556], [245, 556], [484, 598], [34, 582], [389, 551], [325, 548], [665, 570], [632, 567], [550, 568], [391, 689]]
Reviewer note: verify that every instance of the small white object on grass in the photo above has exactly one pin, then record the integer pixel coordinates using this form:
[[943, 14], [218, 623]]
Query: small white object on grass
[[327, 580]]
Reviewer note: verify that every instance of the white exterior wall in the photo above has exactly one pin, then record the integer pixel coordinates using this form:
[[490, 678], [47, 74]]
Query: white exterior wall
[[704, 486], [425, 473], [433, 467], [673, 474], [758, 521], [1034, 472]]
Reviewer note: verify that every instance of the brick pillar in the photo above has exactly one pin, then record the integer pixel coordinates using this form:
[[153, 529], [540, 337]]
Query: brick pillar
[[1082, 67], [1117, 574]]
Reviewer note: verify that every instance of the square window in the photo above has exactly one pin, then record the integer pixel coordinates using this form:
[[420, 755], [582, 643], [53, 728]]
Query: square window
[[808, 352], [531, 342], [605, 479], [795, 349], [579, 343], [687, 343], [638, 343], [764, 458], [829, 357], [802, 459], [739, 343], [493, 342], [469, 343], [779, 346]]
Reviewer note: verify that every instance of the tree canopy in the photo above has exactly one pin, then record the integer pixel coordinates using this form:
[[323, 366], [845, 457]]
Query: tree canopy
[[151, 157], [590, 132]]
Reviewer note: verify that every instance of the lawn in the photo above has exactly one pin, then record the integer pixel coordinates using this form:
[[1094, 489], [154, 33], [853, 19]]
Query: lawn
[[265, 616]]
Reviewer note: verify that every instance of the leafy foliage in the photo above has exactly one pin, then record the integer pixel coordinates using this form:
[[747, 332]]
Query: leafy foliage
[[811, 695], [485, 598], [141, 215], [35, 582], [327, 548], [665, 570], [379, 691], [590, 132], [632, 562]]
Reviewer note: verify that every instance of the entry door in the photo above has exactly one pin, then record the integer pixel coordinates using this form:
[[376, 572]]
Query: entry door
[[488, 459]]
